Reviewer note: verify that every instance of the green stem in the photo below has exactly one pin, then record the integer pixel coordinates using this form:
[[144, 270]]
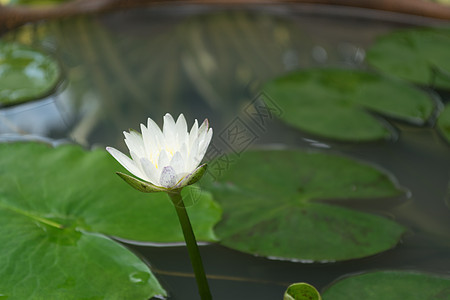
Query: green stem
[[191, 243]]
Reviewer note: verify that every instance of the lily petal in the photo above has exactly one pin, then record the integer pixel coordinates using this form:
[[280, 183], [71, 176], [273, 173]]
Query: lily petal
[[177, 163], [203, 145], [193, 134], [150, 144], [156, 132], [134, 142], [125, 161], [169, 131], [181, 130], [203, 128], [150, 170], [163, 160], [168, 177], [184, 154], [192, 156]]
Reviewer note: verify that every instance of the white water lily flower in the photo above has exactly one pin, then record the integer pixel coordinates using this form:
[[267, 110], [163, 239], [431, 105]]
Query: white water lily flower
[[166, 159]]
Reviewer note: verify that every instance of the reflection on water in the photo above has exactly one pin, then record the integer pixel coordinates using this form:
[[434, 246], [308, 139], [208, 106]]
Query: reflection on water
[[42, 118], [124, 67], [144, 63]]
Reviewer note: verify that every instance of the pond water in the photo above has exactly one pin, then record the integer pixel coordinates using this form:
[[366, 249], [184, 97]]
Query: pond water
[[123, 67]]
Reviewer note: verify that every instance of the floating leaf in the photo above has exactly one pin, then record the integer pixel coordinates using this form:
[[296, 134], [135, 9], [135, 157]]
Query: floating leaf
[[25, 73], [301, 291], [42, 262], [443, 123], [335, 103], [390, 285], [43, 188], [418, 55], [274, 205]]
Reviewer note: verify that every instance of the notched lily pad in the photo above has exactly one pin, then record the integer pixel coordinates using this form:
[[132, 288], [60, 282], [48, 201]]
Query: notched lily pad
[[390, 285], [25, 73], [443, 123], [343, 104], [57, 207], [272, 202], [419, 55]]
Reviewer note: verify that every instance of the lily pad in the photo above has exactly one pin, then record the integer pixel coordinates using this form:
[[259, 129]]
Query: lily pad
[[443, 123], [25, 73], [42, 262], [419, 55], [301, 291], [390, 285], [341, 104], [43, 188], [279, 204]]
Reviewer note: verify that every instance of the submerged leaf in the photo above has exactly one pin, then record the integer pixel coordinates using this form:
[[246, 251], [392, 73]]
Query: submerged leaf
[[340, 104], [273, 206], [25, 73], [389, 285]]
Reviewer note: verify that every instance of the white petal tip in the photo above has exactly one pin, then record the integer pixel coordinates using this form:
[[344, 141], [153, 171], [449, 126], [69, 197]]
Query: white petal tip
[[112, 150]]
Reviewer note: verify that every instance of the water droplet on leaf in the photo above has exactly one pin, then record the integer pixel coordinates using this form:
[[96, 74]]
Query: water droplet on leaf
[[139, 277]]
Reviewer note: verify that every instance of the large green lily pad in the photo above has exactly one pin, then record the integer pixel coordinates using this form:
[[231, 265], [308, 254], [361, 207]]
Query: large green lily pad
[[42, 262], [418, 55], [390, 285], [25, 73], [279, 204], [443, 123], [42, 188], [339, 104]]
